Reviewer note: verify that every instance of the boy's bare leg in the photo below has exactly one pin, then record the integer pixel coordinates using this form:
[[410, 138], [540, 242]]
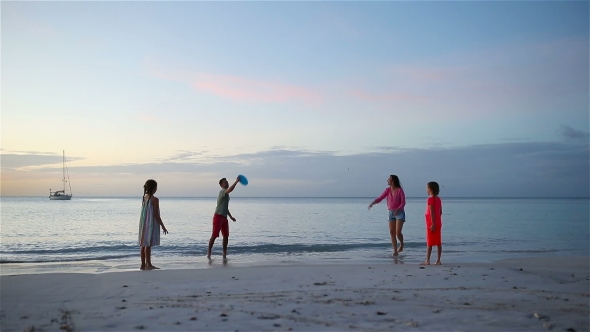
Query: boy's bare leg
[[439, 252], [393, 237], [211, 241], [225, 240], [428, 253], [142, 253]]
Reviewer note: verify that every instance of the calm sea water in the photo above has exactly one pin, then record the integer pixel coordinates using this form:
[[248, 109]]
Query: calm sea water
[[101, 233]]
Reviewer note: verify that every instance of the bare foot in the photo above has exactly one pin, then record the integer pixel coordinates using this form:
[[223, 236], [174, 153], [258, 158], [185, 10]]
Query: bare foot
[[395, 253], [425, 263], [224, 257], [401, 247], [142, 267], [151, 267], [437, 263]]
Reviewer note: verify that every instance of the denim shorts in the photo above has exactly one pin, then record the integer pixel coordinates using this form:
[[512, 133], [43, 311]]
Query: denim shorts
[[400, 215]]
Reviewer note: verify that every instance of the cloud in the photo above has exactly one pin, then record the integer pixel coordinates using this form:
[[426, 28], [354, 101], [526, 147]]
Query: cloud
[[571, 133], [237, 88], [524, 78], [518, 169], [17, 18], [29, 159], [385, 97], [183, 156]]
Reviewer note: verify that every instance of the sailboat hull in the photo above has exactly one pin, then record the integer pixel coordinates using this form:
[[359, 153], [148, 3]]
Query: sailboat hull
[[60, 198]]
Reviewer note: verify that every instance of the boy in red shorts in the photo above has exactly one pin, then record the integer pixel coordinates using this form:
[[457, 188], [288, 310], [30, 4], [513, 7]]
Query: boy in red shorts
[[220, 223]]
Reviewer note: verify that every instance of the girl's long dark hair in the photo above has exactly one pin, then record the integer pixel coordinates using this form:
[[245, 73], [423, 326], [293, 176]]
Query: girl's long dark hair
[[395, 181], [148, 188]]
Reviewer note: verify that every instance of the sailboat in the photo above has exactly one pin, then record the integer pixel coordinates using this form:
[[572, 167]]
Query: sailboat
[[62, 195]]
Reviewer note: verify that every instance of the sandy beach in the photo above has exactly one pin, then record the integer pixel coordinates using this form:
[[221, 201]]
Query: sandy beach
[[528, 294]]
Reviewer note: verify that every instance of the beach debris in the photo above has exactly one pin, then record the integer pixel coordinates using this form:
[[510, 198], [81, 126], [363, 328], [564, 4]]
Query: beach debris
[[66, 327], [123, 300], [223, 314], [521, 269], [412, 323], [125, 286], [270, 316], [193, 318], [466, 303], [140, 327], [366, 302], [177, 323], [66, 321], [320, 283], [540, 316], [422, 267], [571, 329], [24, 317], [30, 328], [381, 313], [53, 320], [548, 325], [121, 308], [276, 325]]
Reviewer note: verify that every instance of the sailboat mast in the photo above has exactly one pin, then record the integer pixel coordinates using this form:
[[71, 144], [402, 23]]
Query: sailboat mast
[[64, 169]]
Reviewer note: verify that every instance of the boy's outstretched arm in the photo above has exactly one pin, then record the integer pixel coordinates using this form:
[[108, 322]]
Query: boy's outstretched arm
[[233, 186]]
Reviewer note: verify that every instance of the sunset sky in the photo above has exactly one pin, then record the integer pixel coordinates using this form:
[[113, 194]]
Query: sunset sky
[[490, 99]]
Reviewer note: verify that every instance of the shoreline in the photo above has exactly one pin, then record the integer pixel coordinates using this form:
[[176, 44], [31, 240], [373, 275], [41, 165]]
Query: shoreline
[[200, 262], [527, 293]]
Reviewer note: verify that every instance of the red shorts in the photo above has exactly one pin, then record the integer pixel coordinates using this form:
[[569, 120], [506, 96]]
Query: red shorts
[[220, 224]]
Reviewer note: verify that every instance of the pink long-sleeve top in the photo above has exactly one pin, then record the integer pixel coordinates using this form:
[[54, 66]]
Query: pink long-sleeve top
[[395, 201]]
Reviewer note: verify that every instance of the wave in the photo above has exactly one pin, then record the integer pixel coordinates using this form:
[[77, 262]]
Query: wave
[[124, 251]]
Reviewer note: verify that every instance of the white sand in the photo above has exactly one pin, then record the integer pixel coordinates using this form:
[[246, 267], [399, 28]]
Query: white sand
[[549, 293]]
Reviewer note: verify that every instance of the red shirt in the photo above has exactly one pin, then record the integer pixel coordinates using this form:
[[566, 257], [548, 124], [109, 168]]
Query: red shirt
[[437, 204]]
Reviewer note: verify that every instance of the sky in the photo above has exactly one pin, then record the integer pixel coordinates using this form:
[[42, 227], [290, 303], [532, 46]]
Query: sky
[[307, 99]]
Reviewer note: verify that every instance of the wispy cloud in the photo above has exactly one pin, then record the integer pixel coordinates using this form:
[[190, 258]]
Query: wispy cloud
[[385, 97], [237, 88], [522, 78], [31, 159], [499, 170], [18, 19]]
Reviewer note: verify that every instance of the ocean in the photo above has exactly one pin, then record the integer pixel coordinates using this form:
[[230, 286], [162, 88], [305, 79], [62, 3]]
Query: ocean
[[98, 234]]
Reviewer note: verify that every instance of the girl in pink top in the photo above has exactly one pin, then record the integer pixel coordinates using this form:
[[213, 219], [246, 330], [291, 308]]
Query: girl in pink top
[[396, 201], [433, 216]]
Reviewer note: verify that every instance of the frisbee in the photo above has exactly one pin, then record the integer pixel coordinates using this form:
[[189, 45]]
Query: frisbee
[[243, 180]]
